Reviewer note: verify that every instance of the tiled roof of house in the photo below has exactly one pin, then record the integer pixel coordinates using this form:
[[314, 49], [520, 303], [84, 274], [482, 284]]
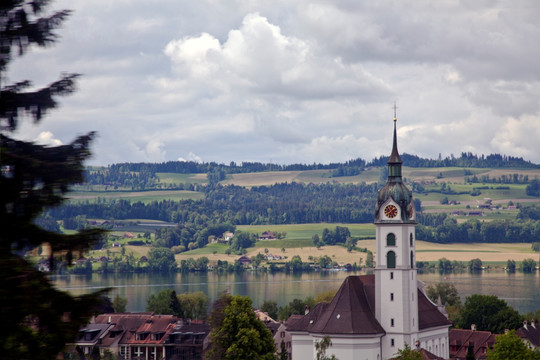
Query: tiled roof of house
[[530, 332], [461, 339]]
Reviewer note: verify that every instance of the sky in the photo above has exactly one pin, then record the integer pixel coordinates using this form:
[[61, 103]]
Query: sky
[[292, 81]]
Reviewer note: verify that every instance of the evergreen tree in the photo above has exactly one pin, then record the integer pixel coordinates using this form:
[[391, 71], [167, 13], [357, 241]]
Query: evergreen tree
[[119, 304], [240, 335], [37, 319], [470, 353], [282, 353], [164, 302]]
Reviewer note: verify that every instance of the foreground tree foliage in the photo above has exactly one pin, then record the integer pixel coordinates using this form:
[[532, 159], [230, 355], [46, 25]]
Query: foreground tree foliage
[[237, 333], [37, 319], [408, 354], [321, 347]]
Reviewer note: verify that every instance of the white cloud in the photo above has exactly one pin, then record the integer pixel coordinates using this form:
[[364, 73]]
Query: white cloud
[[293, 80], [47, 138], [518, 136]]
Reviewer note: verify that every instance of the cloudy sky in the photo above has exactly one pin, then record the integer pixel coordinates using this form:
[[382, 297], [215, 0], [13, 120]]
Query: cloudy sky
[[293, 81]]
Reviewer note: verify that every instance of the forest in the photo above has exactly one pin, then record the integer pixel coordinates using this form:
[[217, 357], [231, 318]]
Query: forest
[[284, 203], [141, 176]]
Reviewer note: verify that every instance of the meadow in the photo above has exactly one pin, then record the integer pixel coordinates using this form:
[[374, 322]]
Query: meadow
[[134, 196]]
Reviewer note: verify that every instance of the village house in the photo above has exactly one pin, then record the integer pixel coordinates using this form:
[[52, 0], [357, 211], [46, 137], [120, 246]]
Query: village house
[[462, 339], [530, 333], [278, 330], [133, 336]]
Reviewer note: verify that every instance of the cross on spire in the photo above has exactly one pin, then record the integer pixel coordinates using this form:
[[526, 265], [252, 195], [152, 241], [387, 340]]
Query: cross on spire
[[395, 111]]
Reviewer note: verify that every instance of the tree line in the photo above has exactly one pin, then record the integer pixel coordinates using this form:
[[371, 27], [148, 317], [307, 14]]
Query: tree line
[[191, 167], [466, 160], [284, 203]]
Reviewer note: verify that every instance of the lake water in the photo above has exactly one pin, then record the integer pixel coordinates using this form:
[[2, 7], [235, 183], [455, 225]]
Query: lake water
[[521, 291]]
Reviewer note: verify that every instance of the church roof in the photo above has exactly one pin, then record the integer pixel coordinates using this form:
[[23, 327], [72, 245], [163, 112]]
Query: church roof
[[352, 311], [394, 156], [428, 314]]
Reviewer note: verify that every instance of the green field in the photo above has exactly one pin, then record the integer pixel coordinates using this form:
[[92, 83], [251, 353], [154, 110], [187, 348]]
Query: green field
[[134, 196], [173, 178], [297, 232], [208, 249]]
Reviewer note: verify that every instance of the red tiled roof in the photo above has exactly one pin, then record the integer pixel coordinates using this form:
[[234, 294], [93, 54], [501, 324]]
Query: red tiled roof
[[460, 340]]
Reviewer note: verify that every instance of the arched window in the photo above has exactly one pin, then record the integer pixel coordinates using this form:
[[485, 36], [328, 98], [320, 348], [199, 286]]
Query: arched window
[[390, 240], [412, 260], [391, 260], [410, 239]]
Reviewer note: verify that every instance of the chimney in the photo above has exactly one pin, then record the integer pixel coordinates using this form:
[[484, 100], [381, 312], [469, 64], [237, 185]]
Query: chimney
[[473, 327], [109, 320], [306, 310], [533, 324], [525, 324]]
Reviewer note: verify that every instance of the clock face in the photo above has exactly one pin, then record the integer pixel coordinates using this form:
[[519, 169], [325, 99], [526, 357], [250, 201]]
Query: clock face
[[390, 211]]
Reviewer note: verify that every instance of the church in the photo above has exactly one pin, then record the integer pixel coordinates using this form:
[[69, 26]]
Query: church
[[373, 316]]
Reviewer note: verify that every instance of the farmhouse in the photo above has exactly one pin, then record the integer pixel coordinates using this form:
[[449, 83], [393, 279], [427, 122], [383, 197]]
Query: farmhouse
[[267, 235], [373, 316]]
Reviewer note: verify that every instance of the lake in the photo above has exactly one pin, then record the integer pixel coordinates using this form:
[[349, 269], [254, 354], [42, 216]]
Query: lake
[[519, 290]]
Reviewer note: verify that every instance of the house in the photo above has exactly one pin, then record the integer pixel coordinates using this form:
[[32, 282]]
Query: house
[[280, 334], [475, 213], [245, 261], [90, 337], [187, 341], [264, 317], [372, 316], [128, 235], [278, 330], [462, 339], [134, 336], [530, 333], [227, 236], [267, 235]]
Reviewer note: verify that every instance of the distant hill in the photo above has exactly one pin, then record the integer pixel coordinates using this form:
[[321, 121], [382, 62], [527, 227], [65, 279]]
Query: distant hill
[[141, 176]]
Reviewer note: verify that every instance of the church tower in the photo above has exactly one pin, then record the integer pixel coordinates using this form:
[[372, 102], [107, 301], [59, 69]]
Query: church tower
[[396, 293]]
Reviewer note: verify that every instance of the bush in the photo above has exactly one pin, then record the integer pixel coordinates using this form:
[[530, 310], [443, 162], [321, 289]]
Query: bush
[[136, 242]]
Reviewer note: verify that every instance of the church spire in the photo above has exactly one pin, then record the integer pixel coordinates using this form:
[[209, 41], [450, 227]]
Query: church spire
[[394, 162]]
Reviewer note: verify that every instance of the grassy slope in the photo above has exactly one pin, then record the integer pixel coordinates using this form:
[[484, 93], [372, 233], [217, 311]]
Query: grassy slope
[[298, 239]]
